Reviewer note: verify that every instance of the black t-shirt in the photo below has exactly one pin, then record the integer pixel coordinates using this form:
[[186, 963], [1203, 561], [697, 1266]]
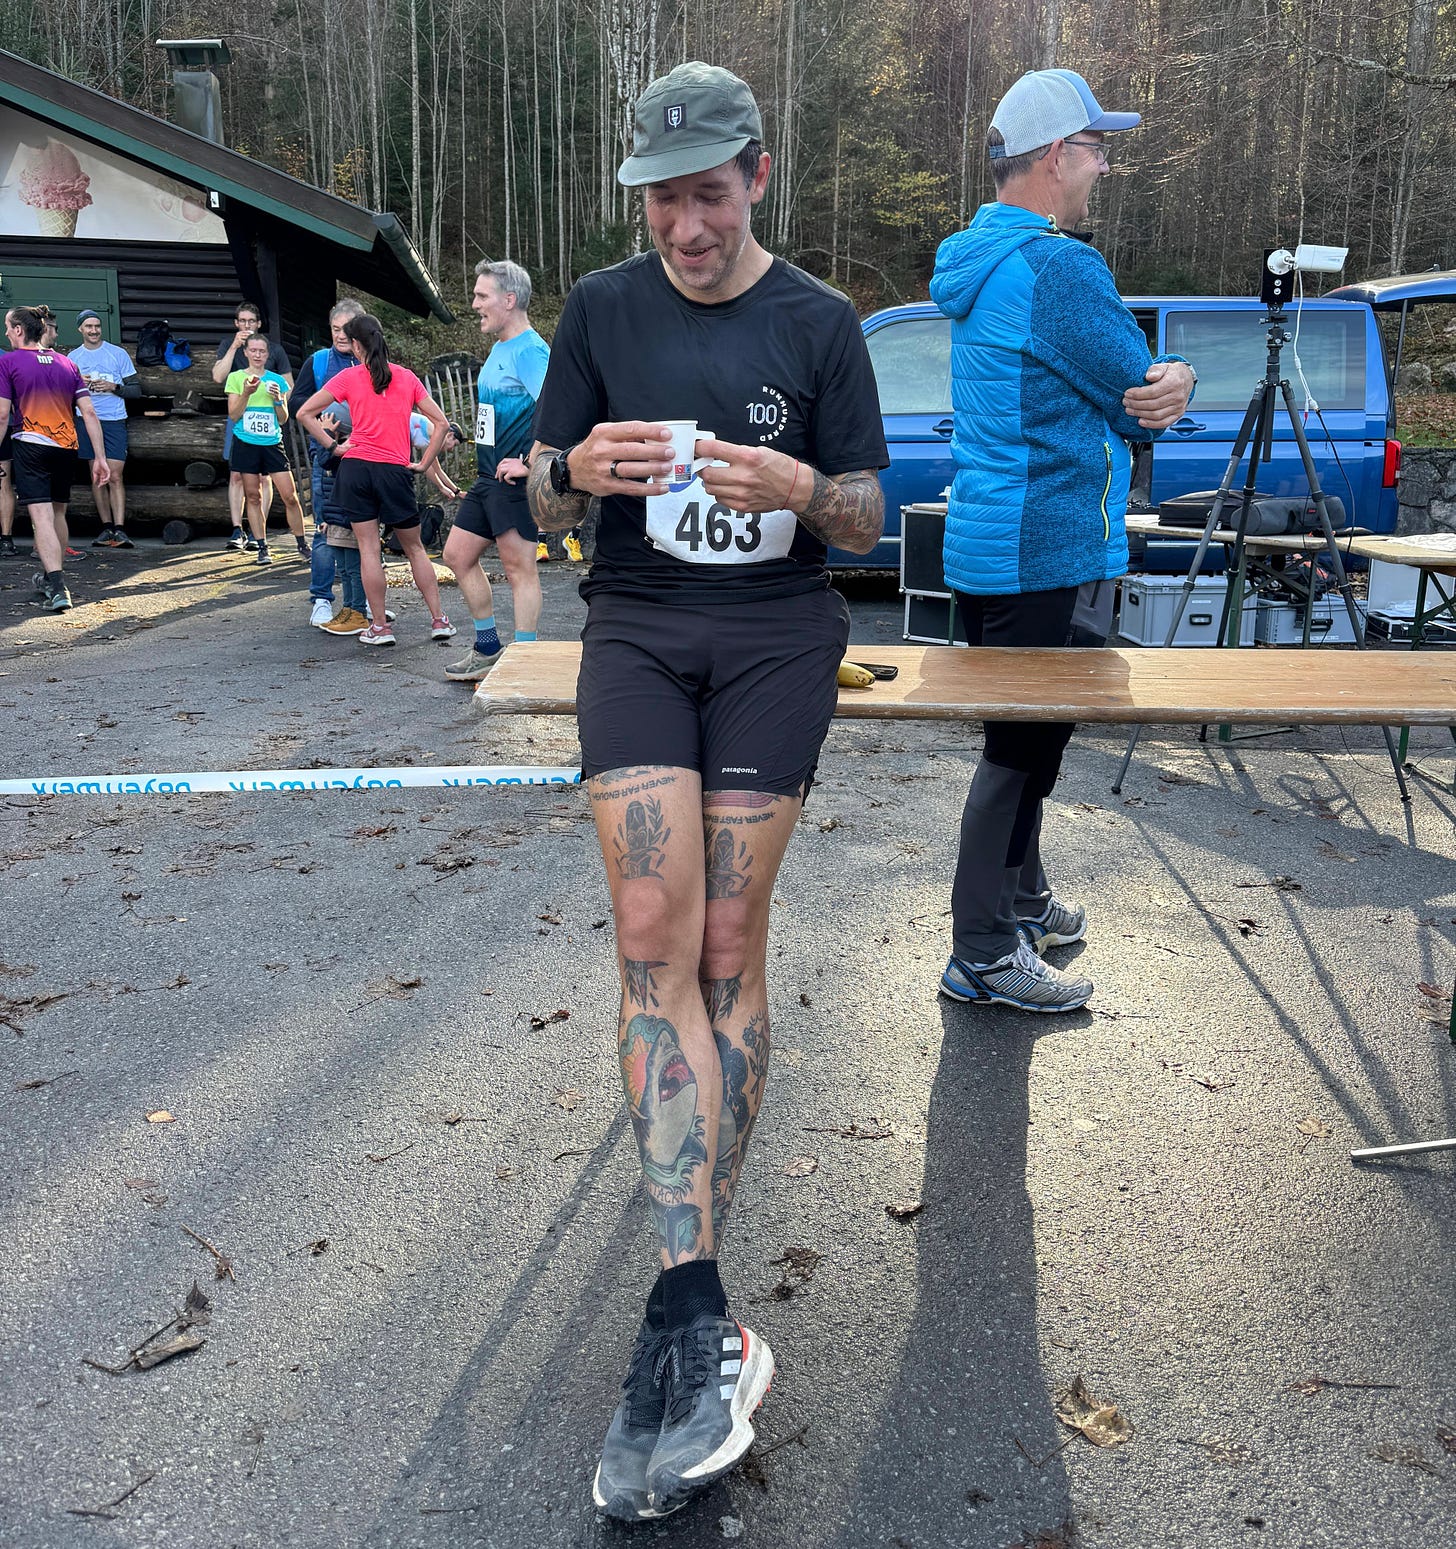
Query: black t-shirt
[[783, 365]]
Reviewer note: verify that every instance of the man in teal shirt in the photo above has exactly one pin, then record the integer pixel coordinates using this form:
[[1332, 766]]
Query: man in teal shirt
[[495, 509]]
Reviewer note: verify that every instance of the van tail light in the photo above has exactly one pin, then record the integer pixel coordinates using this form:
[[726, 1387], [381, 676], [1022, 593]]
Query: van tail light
[[1391, 476]]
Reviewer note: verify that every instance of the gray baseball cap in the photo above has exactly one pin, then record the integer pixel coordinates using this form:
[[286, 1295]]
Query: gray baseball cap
[[1047, 105], [690, 120]]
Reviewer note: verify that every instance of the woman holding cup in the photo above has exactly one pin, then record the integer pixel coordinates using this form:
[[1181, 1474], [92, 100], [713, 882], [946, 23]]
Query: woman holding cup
[[257, 409]]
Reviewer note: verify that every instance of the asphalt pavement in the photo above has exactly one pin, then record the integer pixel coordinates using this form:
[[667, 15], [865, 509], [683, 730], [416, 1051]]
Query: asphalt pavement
[[353, 1052]]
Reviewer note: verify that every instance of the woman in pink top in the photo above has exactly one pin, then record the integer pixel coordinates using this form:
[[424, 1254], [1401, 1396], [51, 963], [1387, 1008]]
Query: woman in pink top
[[375, 484]]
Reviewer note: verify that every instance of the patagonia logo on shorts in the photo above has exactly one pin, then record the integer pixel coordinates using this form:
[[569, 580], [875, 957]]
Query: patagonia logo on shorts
[[737, 769]]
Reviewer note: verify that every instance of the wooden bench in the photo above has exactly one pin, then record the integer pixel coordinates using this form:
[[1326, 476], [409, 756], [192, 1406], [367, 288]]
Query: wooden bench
[[1134, 687]]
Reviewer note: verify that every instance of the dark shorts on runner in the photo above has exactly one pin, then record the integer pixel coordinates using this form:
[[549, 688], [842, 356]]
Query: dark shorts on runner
[[43, 474], [113, 438], [491, 507], [743, 692], [249, 457], [374, 492]]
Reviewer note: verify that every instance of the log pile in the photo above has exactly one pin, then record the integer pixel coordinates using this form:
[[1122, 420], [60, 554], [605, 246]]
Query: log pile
[[175, 469]]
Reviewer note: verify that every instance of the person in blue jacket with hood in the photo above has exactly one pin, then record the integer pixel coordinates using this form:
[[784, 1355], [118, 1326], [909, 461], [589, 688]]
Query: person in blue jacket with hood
[[1051, 378]]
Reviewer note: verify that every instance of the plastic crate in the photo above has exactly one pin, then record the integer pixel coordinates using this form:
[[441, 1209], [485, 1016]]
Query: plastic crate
[[1282, 623], [1148, 603]]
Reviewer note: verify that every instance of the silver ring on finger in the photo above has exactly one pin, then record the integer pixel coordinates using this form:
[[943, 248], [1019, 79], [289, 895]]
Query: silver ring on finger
[[612, 468]]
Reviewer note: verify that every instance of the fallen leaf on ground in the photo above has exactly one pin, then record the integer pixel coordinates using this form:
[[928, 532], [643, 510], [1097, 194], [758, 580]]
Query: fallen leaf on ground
[[569, 1099], [550, 919], [1102, 1424], [43, 1081], [804, 999], [1314, 1129], [556, 1016], [903, 1209], [504, 1174], [799, 1266], [801, 1167], [161, 1116], [1395, 1452], [853, 1131], [1434, 992], [173, 1347], [828, 825]]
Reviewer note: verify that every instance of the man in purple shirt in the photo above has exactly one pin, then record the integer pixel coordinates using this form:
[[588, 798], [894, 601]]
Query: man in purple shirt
[[47, 392]]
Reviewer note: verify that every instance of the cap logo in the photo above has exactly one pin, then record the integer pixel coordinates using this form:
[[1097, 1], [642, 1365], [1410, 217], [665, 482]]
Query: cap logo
[[674, 117]]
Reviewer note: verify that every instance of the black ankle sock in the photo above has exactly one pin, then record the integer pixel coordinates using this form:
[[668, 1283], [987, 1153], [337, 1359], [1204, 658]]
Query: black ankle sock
[[55, 577], [690, 1290], [657, 1304]]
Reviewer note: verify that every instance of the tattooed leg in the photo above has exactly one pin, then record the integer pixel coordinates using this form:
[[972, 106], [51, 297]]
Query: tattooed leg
[[745, 834], [648, 821]]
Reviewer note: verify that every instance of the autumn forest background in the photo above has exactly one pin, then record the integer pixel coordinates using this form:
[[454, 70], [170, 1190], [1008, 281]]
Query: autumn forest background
[[494, 127]]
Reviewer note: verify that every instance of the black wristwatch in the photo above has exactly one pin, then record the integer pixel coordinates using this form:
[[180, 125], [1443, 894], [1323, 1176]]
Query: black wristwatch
[[560, 471]]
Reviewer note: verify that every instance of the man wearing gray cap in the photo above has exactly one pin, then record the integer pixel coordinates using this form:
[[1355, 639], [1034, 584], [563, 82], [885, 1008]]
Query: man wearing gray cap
[[1051, 377], [722, 405]]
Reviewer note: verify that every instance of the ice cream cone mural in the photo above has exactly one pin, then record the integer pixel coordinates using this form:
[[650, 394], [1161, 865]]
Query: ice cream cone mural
[[53, 183]]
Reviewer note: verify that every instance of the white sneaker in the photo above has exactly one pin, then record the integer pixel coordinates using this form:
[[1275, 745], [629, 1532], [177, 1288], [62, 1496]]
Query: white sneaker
[[321, 613], [389, 614]]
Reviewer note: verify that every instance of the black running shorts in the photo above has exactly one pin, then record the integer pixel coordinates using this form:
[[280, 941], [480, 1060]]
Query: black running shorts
[[743, 692], [491, 507], [43, 474], [374, 492], [250, 457]]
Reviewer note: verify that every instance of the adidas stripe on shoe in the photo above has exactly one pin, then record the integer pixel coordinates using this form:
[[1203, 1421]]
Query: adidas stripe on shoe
[[715, 1374]]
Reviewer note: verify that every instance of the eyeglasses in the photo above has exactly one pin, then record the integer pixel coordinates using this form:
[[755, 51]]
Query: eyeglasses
[[1097, 147]]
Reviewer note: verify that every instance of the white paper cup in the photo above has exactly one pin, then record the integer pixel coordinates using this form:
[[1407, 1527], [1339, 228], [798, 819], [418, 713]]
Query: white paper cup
[[685, 438]]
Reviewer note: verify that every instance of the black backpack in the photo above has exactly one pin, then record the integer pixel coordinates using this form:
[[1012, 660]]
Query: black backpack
[[152, 340]]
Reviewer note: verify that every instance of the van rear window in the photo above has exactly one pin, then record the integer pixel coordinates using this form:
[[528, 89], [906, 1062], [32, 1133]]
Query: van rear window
[[912, 365], [1228, 352]]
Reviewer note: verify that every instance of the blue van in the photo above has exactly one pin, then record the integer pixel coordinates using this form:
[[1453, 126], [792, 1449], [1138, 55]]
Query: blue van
[[1338, 347]]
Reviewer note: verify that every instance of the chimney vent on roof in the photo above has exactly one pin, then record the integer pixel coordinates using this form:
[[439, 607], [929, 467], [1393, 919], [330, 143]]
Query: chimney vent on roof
[[196, 94]]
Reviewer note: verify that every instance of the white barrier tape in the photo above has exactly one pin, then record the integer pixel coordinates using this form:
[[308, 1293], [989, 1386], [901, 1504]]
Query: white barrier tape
[[241, 780]]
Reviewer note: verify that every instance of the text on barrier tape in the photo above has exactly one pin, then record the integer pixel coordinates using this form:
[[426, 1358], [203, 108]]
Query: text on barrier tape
[[224, 781]]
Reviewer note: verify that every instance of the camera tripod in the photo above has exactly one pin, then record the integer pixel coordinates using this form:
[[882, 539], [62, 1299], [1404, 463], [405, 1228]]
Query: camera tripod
[[1256, 437]]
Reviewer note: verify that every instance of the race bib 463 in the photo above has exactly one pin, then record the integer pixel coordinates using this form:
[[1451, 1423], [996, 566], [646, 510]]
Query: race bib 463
[[690, 525]]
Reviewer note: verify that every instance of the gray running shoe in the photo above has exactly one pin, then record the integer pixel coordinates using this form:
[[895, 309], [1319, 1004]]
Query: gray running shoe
[[620, 1487], [714, 1375], [1020, 979], [472, 667], [7, 547], [265, 557], [1058, 925], [57, 598]]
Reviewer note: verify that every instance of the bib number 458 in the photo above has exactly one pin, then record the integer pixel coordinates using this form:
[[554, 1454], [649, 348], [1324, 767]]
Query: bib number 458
[[716, 528]]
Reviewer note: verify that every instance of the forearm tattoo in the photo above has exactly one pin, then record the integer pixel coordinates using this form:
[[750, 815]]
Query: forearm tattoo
[[552, 512], [847, 511]]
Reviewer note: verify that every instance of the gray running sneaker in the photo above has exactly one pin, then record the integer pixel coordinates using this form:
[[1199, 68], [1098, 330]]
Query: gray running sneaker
[[472, 667], [714, 1375], [620, 1487], [57, 598], [1058, 925], [1020, 979]]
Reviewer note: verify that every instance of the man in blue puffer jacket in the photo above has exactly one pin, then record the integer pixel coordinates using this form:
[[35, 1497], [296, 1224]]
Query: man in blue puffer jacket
[[1051, 377]]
